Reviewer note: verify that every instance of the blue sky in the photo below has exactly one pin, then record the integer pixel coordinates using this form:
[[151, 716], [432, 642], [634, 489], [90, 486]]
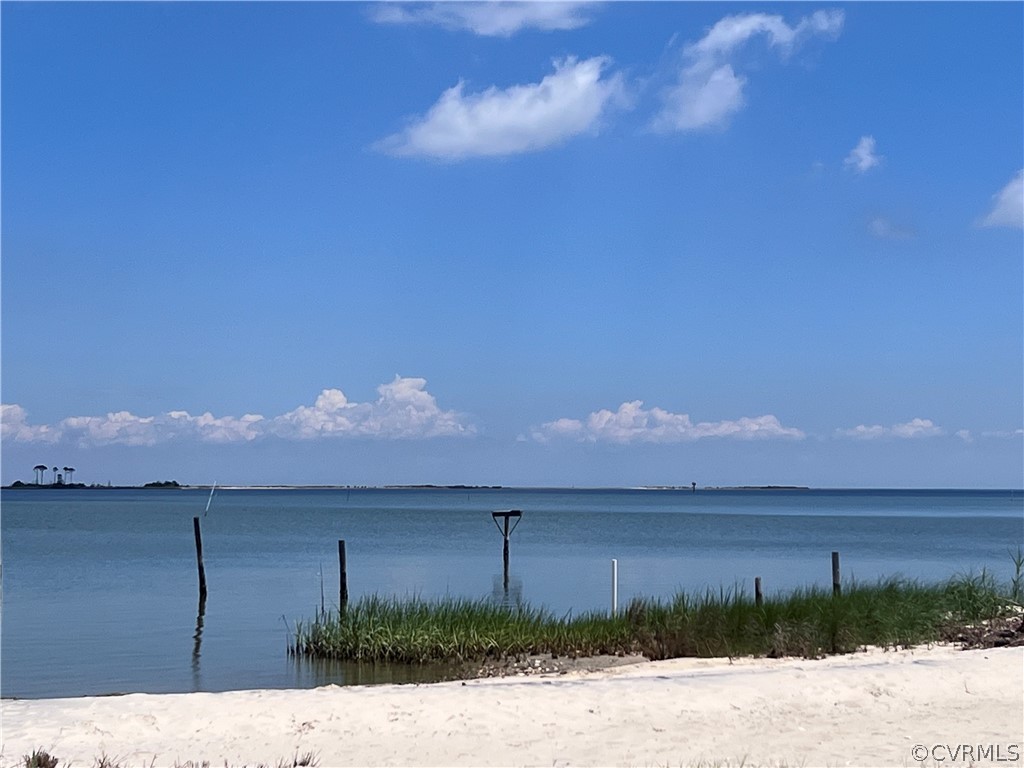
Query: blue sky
[[522, 244]]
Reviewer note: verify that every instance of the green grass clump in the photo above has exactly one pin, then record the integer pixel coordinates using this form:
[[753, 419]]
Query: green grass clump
[[453, 630], [807, 622], [40, 758]]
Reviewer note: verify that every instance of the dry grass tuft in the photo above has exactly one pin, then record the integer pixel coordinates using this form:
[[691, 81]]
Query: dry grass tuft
[[43, 759]]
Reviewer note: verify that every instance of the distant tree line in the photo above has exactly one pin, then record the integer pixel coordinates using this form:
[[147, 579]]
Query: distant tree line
[[62, 478], [58, 479]]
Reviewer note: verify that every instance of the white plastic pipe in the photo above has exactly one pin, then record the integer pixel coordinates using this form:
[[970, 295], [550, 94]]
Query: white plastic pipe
[[615, 587]]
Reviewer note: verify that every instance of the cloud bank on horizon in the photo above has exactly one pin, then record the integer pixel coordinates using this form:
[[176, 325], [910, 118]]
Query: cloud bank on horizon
[[404, 410], [914, 428], [631, 423]]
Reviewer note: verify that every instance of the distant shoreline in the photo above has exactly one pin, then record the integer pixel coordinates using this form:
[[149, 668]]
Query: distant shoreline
[[410, 487], [170, 486]]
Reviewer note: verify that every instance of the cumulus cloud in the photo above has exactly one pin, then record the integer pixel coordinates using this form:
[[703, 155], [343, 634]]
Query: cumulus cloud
[[911, 429], [632, 423], [125, 428], [490, 19], [14, 426], [885, 229], [521, 118], [1008, 205], [403, 410], [863, 432], [708, 90], [226, 429], [120, 428], [916, 428], [863, 157]]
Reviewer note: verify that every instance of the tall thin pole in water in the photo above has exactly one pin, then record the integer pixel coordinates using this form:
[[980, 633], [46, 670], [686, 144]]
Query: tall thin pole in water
[[199, 560], [212, 489], [836, 586], [342, 576]]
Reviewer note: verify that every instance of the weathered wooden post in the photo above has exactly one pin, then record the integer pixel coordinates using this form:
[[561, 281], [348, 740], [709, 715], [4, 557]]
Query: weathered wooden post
[[342, 576], [505, 515], [758, 595], [199, 560], [836, 587]]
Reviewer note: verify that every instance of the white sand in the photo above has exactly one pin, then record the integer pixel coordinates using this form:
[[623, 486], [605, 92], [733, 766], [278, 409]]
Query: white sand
[[867, 709]]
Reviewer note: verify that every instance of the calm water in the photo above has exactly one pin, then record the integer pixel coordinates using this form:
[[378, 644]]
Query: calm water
[[100, 588]]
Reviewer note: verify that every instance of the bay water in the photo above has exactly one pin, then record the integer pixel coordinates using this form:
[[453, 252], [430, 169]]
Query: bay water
[[100, 588]]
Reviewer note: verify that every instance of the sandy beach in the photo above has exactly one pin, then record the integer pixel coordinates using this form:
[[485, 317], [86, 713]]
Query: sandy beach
[[874, 708]]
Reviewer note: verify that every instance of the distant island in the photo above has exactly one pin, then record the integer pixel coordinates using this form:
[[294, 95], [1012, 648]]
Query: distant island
[[19, 485], [757, 488], [175, 485]]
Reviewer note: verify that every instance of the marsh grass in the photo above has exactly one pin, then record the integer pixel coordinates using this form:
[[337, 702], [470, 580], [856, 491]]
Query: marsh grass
[[1017, 580], [419, 631], [809, 622]]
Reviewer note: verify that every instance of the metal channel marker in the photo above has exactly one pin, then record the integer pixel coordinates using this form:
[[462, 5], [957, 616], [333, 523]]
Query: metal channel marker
[[506, 515]]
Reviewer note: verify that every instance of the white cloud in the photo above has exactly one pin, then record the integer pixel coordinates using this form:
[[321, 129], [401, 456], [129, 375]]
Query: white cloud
[[403, 410], [491, 19], [521, 118], [120, 428], [708, 91], [910, 429], [1008, 205], [885, 229], [633, 423], [965, 435], [917, 428], [14, 426], [701, 99], [862, 432], [125, 428], [863, 158], [1004, 434], [226, 429]]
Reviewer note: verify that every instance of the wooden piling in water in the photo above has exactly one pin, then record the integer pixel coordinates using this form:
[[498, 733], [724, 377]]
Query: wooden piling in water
[[199, 561], [342, 576], [758, 595], [836, 586]]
